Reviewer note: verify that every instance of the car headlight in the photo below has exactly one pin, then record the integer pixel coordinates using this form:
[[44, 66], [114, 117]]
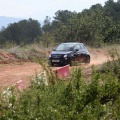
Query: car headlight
[[49, 55], [65, 56]]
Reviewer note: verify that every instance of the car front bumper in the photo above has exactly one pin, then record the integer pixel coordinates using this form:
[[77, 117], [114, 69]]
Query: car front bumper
[[61, 60]]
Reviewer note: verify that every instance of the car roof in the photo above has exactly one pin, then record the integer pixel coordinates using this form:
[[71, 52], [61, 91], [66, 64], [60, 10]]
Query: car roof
[[74, 43]]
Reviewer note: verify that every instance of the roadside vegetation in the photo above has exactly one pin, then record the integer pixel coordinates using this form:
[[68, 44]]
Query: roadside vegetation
[[81, 97], [75, 98], [30, 52]]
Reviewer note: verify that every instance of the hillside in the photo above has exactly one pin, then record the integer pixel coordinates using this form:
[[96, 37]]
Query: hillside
[[4, 21]]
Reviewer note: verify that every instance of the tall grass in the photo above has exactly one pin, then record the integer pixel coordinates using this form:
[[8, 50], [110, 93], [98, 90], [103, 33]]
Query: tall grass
[[32, 52]]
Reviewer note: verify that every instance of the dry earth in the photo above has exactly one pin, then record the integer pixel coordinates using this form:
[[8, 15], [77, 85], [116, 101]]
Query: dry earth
[[13, 70]]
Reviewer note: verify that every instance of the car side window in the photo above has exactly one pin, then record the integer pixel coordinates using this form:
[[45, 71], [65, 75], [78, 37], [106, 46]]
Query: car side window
[[76, 47], [82, 47]]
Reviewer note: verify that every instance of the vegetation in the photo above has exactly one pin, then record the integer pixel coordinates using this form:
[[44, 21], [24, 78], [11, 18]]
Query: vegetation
[[76, 98], [81, 97], [94, 26], [32, 52]]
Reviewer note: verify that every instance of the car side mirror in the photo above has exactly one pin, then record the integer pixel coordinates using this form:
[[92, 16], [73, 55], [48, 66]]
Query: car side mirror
[[76, 50]]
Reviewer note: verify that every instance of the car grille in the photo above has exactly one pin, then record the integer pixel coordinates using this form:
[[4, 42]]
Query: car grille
[[56, 56]]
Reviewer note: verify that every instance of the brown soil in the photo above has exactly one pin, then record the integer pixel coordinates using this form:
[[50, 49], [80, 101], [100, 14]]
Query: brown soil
[[13, 70], [98, 57], [6, 58], [12, 73]]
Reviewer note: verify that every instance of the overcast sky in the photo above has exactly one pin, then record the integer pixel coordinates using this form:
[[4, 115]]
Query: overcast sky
[[39, 9]]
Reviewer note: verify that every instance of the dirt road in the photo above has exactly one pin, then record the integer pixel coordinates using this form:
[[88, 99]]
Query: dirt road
[[11, 73]]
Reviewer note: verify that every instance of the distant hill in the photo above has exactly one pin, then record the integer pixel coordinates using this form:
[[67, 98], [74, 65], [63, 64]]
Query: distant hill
[[4, 21]]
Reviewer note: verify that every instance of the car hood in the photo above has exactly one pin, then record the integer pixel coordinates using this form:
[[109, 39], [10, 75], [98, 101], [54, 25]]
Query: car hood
[[61, 52]]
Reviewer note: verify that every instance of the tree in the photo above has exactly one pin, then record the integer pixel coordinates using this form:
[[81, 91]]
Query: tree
[[91, 25], [47, 25], [47, 39], [112, 9], [47, 36], [25, 31]]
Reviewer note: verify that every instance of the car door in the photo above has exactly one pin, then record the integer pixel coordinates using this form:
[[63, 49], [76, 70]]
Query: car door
[[77, 52], [84, 50]]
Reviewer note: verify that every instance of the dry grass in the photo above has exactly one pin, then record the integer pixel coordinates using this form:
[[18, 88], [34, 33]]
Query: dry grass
[[30, 52], [37, 51]]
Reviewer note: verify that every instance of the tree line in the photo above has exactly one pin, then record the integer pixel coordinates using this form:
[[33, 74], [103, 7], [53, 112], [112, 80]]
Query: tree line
[[94, 26]]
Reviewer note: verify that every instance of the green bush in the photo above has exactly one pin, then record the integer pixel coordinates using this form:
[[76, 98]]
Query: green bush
[[74, 99]]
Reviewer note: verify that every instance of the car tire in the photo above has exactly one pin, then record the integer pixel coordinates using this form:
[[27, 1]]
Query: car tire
[[87, 59]]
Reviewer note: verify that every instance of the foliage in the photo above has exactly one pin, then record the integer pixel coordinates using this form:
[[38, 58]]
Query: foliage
[[114, 64], [72, 99], [31, 52], [94, 26], [25, 31]]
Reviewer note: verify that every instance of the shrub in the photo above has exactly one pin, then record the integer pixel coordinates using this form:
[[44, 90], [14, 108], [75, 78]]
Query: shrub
[[64, 100]]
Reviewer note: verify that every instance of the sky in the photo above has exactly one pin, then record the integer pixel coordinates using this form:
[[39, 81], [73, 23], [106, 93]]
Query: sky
[[39, 9]]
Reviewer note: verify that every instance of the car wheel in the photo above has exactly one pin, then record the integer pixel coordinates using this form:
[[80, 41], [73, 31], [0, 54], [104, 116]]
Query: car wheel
[[87, 60]]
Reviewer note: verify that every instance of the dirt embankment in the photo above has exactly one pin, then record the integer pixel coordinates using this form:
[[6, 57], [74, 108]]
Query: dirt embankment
[[7, 58], [13, 70]]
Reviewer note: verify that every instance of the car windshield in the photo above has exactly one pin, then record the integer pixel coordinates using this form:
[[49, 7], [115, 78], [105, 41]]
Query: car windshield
[[65, 47]]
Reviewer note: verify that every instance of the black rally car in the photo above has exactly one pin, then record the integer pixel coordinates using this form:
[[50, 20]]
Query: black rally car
[[65, 53]]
